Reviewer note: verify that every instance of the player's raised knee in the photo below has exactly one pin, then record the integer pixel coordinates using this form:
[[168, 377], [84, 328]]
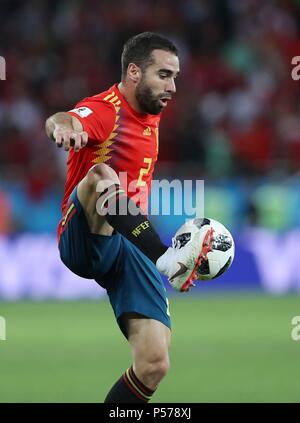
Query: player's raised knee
[[102, 171], [101, 176]]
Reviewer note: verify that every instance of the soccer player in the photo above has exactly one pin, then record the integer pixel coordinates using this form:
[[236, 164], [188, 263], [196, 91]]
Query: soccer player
[[105, 234]]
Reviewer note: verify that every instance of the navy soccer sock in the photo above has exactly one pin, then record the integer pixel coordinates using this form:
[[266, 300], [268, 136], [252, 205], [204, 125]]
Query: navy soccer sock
[[129, 389], [127, 218]]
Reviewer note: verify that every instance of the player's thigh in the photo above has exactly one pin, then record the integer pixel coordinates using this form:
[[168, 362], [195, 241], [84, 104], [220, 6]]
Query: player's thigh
[[98, 178], [88, 255], [149, 338]]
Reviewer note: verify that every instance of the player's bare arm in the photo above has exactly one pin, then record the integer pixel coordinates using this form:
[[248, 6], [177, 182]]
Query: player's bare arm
[[66, 131]]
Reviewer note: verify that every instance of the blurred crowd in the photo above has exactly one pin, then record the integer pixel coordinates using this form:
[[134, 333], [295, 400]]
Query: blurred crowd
[[236, 111]]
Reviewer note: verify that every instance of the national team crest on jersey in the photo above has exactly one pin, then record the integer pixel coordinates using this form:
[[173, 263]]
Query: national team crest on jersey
[[147, 131]]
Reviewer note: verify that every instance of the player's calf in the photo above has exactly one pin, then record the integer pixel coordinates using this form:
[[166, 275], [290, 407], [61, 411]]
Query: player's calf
[[150, 341], [138, 384]]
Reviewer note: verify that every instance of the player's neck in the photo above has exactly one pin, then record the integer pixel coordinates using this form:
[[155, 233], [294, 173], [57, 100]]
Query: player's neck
[[129, 96]]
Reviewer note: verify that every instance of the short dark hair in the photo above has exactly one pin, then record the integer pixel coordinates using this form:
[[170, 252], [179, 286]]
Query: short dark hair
[[138, 49]]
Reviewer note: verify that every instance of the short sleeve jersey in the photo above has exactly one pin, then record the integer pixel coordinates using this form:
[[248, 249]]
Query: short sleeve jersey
[[124, 139]]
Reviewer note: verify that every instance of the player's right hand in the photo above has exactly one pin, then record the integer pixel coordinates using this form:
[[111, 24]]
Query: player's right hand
[[67, 138]]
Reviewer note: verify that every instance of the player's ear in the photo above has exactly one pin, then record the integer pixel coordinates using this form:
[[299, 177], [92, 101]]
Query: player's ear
[[134, 72]]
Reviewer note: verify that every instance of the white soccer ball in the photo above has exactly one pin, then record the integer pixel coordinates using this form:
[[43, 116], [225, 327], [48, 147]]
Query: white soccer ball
[[217, 247]]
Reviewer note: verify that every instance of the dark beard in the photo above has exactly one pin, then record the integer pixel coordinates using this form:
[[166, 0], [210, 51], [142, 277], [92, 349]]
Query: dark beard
[[147, 101]]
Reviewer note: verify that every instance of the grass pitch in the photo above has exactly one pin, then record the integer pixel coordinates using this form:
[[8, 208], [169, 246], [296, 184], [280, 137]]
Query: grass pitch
[[235, 348]]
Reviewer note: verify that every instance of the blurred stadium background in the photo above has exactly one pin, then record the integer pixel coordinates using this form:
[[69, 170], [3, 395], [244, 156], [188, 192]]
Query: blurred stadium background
[[235, 124]]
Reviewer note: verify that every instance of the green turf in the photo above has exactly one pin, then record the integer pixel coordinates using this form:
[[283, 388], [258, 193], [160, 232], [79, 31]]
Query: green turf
[[224, 349]]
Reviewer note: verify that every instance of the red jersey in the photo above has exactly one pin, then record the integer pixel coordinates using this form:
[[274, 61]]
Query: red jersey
[[124, 139]]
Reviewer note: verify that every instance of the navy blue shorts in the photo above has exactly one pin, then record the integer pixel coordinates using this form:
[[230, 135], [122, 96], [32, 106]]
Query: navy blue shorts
[[132, 281]]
